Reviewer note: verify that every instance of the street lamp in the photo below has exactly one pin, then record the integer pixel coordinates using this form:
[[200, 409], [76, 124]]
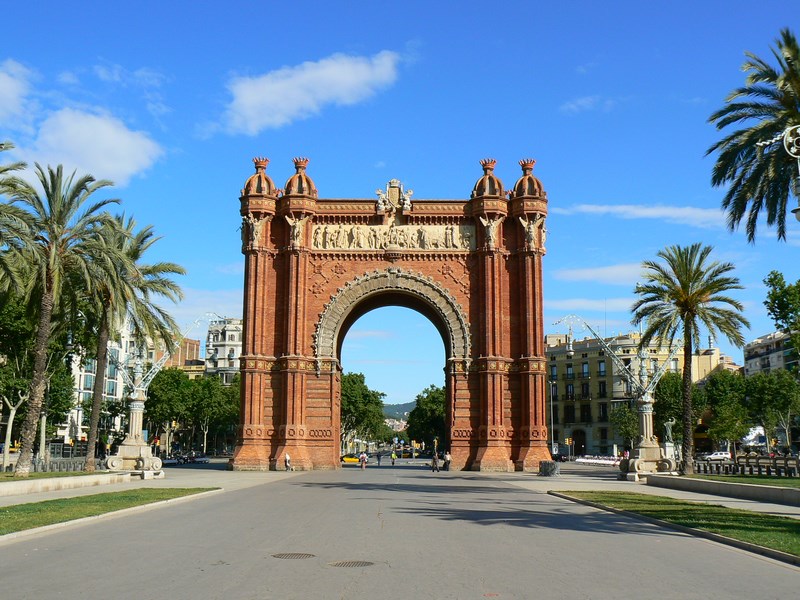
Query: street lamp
[[791, 143]]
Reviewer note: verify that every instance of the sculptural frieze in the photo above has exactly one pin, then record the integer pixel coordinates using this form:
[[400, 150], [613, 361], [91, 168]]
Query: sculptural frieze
[[380, 237]]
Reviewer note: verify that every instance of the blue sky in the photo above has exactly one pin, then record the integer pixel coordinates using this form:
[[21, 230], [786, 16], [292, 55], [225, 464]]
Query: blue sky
[[171, 100]]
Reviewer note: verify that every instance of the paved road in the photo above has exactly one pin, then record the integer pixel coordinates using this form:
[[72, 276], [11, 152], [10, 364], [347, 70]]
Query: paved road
[[451, 535]]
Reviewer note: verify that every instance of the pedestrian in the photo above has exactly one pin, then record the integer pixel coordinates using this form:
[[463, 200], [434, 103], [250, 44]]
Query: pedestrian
[[435, 463], [287, 461], [362, 458], [379, 459], [394, 457], [447, 459]]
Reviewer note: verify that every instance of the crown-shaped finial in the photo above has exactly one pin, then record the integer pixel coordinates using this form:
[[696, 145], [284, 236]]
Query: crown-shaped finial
[[261, 163], [527, 165], [488, 164], [300, 163]]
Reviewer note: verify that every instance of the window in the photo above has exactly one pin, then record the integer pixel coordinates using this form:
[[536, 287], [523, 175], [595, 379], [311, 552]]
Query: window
[[585, 391], [585, 369], [88, 381], [90, 366], [570, 372], [603, 433], [111, 388], [653, 365], [601, 368], [231, 337], [569, 414], [602, 412], [601, 390], [553, 372], [673, 366], [554, 391], [586, 413], [570, 392]]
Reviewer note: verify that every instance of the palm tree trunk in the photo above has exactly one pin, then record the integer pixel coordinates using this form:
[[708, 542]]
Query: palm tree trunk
[[38, 382], [98, 389], [687, 467]]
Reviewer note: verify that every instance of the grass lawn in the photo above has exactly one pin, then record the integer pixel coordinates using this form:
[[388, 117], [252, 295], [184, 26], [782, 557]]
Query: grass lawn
[[37, 514], [788, 482], [777, 533]]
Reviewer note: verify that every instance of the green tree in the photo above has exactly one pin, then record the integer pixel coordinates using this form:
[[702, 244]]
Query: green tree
[[760, 177], [427, 420], [729, 419], [625, 423], [783, 305], [773, 399], [208, 402], [168, 401], [62, 240], [680, 295], [668, 402], [362, 408], [129, 290]]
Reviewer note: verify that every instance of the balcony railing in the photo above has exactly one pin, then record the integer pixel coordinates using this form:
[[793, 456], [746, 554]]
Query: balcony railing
[[569, 376], [568, 396]]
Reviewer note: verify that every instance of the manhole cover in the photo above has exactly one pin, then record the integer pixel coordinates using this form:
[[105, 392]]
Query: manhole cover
[[352, 563], [292, 555]]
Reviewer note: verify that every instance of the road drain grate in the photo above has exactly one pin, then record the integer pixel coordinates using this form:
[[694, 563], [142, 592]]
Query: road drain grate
[[292, 555], [352, 563]]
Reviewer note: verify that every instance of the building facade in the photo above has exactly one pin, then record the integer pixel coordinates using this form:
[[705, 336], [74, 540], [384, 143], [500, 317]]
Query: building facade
[[768, 353], [224, 348], [586, 385]]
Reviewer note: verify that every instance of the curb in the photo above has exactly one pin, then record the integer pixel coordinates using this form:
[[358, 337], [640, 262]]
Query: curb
[[11, 537], [714, 537]]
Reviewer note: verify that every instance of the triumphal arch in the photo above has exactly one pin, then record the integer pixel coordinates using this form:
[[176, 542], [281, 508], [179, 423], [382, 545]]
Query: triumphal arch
[[314, 265]]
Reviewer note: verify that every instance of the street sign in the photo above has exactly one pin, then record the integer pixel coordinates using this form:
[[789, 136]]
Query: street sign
[[555, 448]]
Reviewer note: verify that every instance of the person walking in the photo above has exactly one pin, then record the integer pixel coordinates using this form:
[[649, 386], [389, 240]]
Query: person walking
[[394, 457], [447, 459], [362, 459], [379, 459], [287, 462], [435, 463]]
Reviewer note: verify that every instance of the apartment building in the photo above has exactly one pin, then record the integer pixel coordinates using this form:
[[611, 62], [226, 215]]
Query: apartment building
[[586, 385], [223, 348]]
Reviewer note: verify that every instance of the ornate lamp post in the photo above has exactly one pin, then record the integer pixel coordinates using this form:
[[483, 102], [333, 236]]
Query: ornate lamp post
[[791, 143], [648, 456]]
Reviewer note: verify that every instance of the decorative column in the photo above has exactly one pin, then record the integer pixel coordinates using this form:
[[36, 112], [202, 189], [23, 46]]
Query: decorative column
[[296, 208], [529, 209], [489, 208], [257, 431]]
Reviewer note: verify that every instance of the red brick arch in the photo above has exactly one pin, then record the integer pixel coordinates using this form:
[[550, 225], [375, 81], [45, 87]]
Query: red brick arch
[[313, 266]]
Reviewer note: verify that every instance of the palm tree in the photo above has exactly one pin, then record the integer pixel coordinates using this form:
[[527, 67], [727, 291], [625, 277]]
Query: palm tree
[[759, 174], [63, 241], [11, 222], [128, 292], [681, 295]]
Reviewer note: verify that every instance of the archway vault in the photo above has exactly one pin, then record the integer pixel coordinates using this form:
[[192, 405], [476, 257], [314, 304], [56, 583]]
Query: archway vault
[[370, 289], [313, 266]]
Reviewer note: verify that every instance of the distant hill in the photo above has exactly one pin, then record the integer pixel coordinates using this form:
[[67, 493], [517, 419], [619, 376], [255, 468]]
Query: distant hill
[[398, 411]]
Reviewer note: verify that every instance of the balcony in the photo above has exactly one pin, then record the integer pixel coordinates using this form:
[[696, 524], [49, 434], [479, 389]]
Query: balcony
[[586, 396], [585, 376], [568, 397], [602, 373], [568, 376]]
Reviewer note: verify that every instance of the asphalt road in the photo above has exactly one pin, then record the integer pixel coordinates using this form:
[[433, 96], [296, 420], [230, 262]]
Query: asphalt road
[[447, 535]]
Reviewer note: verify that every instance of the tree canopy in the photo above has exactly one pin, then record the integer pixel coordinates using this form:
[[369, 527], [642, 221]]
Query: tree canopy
[[427, 420]]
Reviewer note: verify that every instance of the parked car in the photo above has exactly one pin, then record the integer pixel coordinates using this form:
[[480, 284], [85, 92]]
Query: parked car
[[719, 455]]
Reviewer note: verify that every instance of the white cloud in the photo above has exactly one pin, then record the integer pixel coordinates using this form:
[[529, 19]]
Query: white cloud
[[68, 78], [292, 93], [15, 88], [236, 268], [590, 304], [623, 274], [706, 218], [98, 144], [587, 103]]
